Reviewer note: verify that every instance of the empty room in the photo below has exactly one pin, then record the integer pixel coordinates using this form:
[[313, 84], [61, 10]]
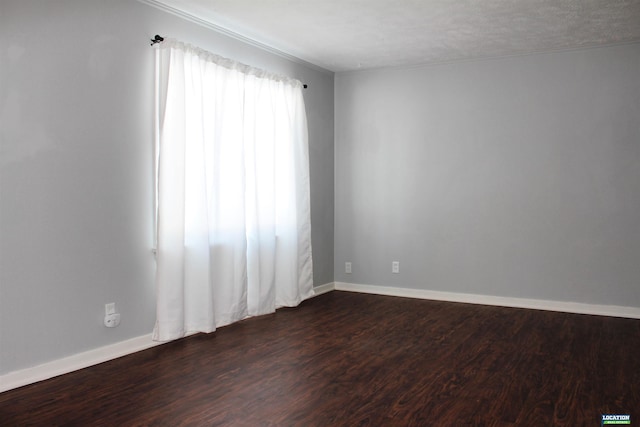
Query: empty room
[[319, 212]]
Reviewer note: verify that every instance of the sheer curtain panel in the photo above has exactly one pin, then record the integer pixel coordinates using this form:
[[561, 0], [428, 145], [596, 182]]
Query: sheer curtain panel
[[232, 176]]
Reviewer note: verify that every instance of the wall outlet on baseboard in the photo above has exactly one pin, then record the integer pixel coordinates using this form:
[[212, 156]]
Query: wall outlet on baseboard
[[395, 267], [347, 267]]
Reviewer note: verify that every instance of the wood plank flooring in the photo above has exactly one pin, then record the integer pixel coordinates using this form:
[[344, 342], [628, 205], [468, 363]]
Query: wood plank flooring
[[346, 359]]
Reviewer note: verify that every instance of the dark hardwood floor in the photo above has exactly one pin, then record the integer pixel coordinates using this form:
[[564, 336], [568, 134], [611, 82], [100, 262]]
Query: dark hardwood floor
[[345, 359]]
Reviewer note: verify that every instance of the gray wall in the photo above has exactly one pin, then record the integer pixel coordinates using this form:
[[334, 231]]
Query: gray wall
[[76, 98], [513, 177]]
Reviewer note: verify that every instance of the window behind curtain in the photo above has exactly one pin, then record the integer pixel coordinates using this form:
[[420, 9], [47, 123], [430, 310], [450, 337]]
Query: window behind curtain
[[232, 169]]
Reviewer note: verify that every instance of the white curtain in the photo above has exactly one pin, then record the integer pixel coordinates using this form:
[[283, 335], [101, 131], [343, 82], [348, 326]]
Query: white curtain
[[232, 164]]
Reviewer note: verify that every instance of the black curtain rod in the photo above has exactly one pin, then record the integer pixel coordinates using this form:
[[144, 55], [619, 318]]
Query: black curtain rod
[[159, 39]]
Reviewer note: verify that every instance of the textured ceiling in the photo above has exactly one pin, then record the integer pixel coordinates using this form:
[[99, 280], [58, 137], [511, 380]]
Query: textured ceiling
[[344, 35]]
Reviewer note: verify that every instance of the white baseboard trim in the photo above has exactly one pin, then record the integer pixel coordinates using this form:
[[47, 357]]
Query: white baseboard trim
[[83, 360], [323, 289], [535, 304], [73, 363], [103, 354]]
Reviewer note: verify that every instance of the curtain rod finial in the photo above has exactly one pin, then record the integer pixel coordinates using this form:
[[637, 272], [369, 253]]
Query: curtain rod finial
[[156, 39]]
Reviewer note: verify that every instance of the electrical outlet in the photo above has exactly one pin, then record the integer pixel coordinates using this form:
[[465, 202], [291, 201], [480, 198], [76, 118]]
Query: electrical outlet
[[347, 267], [109, 308], [112, 320], [395, 267]]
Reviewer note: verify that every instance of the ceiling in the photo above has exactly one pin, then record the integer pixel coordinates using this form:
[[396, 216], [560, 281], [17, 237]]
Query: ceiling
[[342, 35]]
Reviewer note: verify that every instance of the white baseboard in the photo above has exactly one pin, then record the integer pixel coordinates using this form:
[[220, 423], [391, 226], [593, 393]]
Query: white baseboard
[[323, 289], [92, 357], [73, 363], [567, 307]]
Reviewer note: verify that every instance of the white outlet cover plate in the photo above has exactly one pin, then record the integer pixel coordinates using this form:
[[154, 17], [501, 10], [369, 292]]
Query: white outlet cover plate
[[109, 308]]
